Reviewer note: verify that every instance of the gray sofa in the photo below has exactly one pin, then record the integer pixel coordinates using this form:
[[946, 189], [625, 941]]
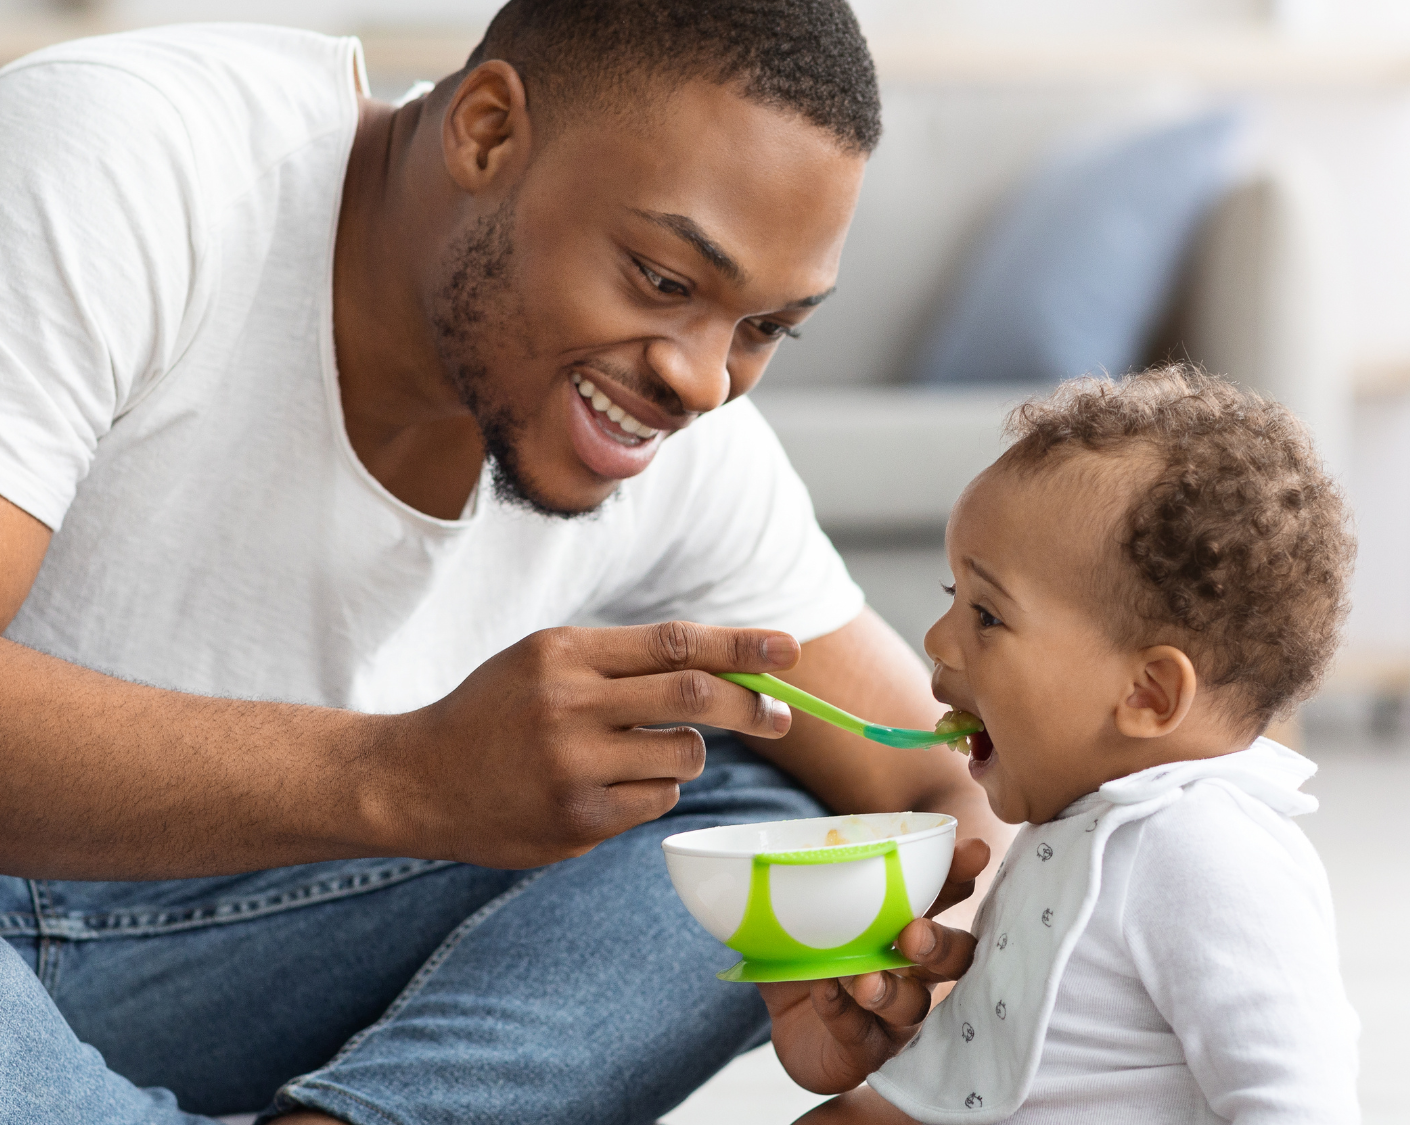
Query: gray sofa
[[1257, 299]]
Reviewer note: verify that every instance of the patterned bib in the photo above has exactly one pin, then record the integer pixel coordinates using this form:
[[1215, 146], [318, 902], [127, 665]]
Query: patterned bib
[[976, 1054]]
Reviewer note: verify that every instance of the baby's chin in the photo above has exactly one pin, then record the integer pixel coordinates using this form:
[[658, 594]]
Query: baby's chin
[[1005, 808], [1005, 800]]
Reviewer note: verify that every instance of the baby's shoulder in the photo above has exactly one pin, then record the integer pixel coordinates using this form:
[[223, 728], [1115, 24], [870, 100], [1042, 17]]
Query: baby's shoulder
[[1219, 844], [1210, 816]]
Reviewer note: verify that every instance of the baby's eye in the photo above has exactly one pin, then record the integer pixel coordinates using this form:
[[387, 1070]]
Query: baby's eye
[[986, 619], [661, 284], [948, 589]]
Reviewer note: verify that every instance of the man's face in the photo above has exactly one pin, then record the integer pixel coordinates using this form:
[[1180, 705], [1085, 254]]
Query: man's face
[[634, 279]]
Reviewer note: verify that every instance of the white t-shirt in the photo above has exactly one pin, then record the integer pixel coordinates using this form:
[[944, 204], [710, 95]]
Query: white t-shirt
[[1163, 952], [169, 405]]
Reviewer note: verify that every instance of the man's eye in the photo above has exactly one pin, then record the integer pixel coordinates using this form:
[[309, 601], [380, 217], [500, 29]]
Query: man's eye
[[662, 284], [986, 619], [773, 330]]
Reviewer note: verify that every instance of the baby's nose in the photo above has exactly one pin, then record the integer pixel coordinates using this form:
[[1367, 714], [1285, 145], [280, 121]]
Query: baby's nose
[[941, 648]]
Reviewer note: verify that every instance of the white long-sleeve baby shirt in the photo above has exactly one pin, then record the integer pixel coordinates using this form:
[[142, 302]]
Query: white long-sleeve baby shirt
[[1164, 951]]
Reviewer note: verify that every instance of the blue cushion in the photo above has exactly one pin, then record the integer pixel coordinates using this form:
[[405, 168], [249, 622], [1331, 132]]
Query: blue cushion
[[1076, 271]]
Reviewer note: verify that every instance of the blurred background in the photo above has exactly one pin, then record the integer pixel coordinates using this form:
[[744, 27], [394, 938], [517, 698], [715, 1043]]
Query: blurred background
[[1069, 186]]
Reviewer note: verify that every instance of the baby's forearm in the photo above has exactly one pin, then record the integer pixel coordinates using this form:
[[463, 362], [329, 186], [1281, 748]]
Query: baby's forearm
[[862, 1106]]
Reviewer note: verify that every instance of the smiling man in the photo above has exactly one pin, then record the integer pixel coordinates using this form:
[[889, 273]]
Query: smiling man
[[322, 424]]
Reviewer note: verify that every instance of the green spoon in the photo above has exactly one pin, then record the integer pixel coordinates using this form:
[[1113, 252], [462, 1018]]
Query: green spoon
[[947, 729]]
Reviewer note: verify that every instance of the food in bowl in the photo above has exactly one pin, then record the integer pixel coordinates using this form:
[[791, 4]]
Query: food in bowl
[[812, 898]]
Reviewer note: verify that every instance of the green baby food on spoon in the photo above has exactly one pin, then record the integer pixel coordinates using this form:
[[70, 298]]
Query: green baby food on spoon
[[952, 728]]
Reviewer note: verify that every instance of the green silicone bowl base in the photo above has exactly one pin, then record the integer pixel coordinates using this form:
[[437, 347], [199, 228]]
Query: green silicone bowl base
[[764, 972]]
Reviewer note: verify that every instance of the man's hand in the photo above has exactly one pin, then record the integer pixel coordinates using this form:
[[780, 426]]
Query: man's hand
[[542, 753], [830, 1034], [537, 756]]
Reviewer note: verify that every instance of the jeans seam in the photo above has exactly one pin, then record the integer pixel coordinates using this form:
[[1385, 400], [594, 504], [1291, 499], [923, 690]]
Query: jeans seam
[[427, 970], [46, 948], [136, 923]]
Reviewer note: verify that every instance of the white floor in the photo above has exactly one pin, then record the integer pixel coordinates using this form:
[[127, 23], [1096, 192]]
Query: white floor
[[753, 1088]]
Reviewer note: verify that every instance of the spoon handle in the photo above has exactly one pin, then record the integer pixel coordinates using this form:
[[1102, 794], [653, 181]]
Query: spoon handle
[[765, 684]]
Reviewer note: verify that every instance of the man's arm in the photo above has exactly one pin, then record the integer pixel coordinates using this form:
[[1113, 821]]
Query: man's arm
[[537, 756], [23, 543]]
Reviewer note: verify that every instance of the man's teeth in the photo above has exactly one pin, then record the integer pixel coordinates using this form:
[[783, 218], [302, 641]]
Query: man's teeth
[[604, 405]]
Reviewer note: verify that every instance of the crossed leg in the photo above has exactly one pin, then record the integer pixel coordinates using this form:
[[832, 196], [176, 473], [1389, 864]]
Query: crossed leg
[[582, 992]]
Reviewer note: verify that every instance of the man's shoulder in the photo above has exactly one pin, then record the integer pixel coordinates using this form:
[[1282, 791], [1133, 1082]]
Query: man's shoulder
[[246, 95]]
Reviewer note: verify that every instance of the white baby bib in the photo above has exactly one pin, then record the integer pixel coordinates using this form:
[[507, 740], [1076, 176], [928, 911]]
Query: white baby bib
[[975, 1057]]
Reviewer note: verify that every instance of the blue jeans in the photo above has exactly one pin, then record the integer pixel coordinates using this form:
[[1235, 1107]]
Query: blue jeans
[[382, 991]]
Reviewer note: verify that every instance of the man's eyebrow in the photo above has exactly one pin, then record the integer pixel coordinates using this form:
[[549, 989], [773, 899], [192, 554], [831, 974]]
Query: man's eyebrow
[[811, 302], [686, 228], [989, 578]]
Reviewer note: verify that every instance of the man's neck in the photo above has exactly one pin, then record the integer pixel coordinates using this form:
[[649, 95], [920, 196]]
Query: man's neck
[[403, 418]]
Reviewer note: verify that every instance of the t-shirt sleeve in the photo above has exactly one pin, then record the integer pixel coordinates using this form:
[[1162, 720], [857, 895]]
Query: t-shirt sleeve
[[98, 235], [1228, 919], [728, 535]]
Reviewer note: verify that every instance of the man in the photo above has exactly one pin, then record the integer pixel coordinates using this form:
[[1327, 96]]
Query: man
[[319, 421]]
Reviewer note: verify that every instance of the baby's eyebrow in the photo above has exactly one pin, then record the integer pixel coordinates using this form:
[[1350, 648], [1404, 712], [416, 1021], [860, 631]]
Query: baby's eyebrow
[[989, 578]]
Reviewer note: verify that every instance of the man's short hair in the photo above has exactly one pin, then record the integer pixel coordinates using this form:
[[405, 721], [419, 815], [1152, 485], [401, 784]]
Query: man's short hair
[[1234, 536], [805, 57]]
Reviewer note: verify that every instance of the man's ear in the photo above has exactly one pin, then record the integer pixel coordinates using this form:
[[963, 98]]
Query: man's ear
[[1159, 694], [485, 134]]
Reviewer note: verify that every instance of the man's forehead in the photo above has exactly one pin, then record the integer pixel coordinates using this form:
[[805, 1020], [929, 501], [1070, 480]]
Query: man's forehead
[[704, 138]]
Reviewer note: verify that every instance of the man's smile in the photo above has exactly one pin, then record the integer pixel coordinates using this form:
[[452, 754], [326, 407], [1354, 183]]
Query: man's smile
[[614, 441], [621, 425]]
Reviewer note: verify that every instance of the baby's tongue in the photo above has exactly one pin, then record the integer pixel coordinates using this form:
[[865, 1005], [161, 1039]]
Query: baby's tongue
[[980, 746]]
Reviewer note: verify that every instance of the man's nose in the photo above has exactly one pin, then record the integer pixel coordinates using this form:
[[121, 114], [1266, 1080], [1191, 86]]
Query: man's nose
[[695, 365]]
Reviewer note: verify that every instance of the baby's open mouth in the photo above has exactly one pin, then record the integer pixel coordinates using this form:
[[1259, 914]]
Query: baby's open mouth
[[981, 746]]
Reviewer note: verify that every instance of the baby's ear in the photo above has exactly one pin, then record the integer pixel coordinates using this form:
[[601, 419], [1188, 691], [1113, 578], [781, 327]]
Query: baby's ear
[[1159, 694]]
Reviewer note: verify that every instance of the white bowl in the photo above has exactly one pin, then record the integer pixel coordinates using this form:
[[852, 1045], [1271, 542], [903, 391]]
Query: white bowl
[[825, 898]]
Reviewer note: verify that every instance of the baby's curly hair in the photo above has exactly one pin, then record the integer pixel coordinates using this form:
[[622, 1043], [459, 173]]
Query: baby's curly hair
[[1235, 536]]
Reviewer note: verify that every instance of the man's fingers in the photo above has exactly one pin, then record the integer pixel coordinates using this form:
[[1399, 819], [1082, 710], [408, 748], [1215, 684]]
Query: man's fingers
[[614, 809], [847, 1021], [677, 754], [900, 1001], [971, 857], [781, 996], [674, 646], [939, 952], [694, 696]]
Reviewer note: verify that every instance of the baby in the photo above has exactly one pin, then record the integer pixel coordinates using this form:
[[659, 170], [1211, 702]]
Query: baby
[[1152, 572]]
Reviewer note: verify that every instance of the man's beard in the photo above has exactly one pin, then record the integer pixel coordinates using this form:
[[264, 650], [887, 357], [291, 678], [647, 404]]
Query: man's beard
[[478, 300]]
